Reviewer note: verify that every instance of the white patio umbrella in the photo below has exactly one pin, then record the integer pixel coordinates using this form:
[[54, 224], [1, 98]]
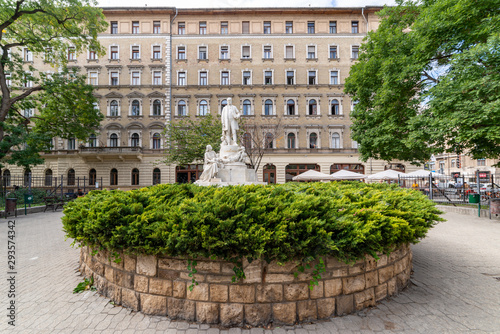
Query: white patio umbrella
[[423, 173], [386, 175], [347, 175], [312, 175]]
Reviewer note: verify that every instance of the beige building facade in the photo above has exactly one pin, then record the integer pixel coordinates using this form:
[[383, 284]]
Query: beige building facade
[[279, 65]]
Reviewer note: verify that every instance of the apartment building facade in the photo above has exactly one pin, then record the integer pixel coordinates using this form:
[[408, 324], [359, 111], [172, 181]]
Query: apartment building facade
[[279, 65]]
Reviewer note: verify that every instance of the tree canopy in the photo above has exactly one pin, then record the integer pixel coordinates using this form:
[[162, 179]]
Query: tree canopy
[[428, 81], [64, 102]]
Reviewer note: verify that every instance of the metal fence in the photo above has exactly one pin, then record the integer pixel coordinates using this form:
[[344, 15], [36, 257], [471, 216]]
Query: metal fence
[[455, 189]]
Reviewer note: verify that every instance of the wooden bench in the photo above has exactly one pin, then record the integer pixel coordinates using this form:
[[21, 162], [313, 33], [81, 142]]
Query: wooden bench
[[54, 202]]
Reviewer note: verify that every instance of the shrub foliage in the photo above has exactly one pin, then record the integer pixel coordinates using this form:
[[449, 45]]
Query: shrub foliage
[[294, 221]]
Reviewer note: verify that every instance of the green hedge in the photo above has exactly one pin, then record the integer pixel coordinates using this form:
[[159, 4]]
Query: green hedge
[[294, 221]]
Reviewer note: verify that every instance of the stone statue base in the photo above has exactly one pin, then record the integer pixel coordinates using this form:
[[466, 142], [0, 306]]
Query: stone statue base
[[228, 151], [236, 173]]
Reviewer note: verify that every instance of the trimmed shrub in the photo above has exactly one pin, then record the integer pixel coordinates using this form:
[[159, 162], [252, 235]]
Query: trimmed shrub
[[293, 221]]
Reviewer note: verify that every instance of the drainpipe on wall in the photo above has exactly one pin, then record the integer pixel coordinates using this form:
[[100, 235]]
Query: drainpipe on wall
[[364, 18], [170, 75]]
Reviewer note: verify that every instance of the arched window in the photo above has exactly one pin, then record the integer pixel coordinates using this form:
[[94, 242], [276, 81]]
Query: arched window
[[136, 108], [335, 107], [6, 178], [93, 140], [291, 140], [313, 140], [269, 140], [290, 107], [247, 141], [223, 103], [27, 177], [113, 140], [268, 108], [269, 172], [313, 107], [92, 177], [134, 140], [71, 177], [135, 177], [203, 109], [181, 108], [113, 177], [113, 108], [156, 108], [156, 140], [335, 140], [247, 107], [156, 176]]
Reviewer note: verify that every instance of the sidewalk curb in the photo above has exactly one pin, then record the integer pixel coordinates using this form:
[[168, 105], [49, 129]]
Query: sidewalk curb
[[485, 213]]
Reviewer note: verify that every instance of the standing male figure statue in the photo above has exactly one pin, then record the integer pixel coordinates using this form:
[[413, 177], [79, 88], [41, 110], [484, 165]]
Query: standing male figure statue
[[229, 117]]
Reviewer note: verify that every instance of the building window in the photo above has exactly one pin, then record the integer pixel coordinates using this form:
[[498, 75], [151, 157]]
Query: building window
[[114, 52], [71, 178], [135, 177], [181, 28], [135, 27], [28, 55], [312, 107], [203, 78], [6, 178], [245, 27], [93, 140], [453, 163], [289, 27], [311, 52], [245, 52], [289, 52], [92, 177], [290, 77], [136, 78], [71, 144], [224, 52], [269, 173], [156, 141], [268, 52], [113, 108], [71, 53], [114, 78], [156, 78], [203, 28], [224, 78], [313, 140], [181, 52], [247, 141], [29, 112], [134, 140], [113, 140], [291, 140], [311, 77], [335, 140], [356, 168], [93, 78], [247, 78], [156, 27], [333, 52], [267, 27], [181, 108], [48, 178], [202, 52], [268, 77], [203, 108], [481, 162], [224, 28], [136, 108], [355, 52], [136, 52], [268, 108], [181, 78], [354, 27], [156, 108], [290, 107], [269, 140], [335, 107], [156, 176], [247, 107], [156, 52], [114, 27], [92, 55], [223, 103], [310, 27], [334, 77], [113, 177], [333, 27]]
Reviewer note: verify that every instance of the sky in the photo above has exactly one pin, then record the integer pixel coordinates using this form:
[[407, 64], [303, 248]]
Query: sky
[[244, 3]]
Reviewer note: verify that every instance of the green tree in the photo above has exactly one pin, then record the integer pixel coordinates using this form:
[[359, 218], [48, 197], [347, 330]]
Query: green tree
[[427, 81], [64, 101], [187, 139]]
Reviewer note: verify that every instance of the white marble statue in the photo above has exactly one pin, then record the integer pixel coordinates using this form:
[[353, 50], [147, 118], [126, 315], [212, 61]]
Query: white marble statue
[[230, 115], [210, 166]]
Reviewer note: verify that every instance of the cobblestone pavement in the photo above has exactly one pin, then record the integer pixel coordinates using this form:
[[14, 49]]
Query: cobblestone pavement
[[455, 288]]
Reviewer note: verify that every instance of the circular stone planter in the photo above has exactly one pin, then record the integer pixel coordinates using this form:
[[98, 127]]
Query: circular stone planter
[[159, 285]]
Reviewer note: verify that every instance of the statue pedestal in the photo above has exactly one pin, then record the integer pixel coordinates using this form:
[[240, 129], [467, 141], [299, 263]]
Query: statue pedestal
[[237, 173], [227, 151]]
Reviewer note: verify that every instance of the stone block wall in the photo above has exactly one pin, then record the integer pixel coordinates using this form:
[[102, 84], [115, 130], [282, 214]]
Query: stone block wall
[[270, 293]]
